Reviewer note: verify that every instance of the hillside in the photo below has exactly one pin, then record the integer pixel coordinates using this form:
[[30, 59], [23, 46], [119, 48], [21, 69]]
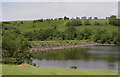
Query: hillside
[[28, 26]]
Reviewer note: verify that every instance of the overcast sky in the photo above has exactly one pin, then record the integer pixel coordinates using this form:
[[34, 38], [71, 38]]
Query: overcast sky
[[34, 10], [60, 0]]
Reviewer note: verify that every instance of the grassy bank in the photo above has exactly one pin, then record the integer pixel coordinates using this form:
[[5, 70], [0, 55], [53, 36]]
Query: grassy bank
[[30, 70]]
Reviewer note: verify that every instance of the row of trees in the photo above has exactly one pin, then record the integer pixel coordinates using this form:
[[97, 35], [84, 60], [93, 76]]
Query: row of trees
[[86, 22], [112, 21], [75, 22], [98, 35]]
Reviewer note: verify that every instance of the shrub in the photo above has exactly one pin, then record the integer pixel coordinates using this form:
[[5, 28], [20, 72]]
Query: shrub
[[66, 18], [112, 19], [96, 23], [70, 33], [87, 22], [116, 22], [6, 23], [14, 48], [74, 23], [7, 27], [17, 31], [40, 20]]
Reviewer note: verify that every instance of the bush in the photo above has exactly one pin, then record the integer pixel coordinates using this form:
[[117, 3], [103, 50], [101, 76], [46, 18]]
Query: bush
[[74, 23], [40, 20], [116, 22], [112, 19], [66, 18], [7, 27], [6, 23], [17, 31], [87, 22], [14, 48], [96, 23], [70, 33], [9, 61]]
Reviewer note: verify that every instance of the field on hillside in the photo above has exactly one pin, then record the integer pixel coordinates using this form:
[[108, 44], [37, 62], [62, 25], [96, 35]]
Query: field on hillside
[[28, 26]]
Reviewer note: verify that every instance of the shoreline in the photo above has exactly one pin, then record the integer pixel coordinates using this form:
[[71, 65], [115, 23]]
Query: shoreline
[[38, 49]]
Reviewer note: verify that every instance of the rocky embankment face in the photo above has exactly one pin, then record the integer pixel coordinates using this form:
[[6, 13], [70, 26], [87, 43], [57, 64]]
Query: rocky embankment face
[[50, 46]]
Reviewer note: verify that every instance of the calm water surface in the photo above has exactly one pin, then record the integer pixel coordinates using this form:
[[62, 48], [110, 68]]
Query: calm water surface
[[90, 57]]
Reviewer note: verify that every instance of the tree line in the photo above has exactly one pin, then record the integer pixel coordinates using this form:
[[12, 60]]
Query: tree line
[[71, 33]]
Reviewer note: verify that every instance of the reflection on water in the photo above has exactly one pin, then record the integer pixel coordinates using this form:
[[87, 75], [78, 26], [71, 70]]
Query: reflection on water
[[91, 57]]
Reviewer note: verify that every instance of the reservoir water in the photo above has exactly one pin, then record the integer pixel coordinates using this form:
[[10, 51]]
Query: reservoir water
[[89, 57]]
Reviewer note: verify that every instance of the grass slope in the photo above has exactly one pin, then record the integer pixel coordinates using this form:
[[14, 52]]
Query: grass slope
[[60, 24], [30, 70]]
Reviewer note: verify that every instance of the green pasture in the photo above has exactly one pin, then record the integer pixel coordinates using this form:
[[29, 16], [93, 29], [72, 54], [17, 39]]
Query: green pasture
[[27, 26], [30, 70]]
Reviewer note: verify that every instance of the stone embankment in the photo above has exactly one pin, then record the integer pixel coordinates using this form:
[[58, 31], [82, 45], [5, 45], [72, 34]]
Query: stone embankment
[[37, 49]]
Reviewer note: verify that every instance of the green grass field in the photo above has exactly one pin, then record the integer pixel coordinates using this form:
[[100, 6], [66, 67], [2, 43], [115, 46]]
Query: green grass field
[[30, 70], [27, 26]]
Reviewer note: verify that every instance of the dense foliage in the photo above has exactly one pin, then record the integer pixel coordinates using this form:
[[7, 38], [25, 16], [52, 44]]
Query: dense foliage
[[114, 21], [71, 33], [74, 23], [14, 48], [87, 22]]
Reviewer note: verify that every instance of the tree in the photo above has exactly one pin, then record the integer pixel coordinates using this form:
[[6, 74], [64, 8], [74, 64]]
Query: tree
[[84, 17], [6, 23], [17, 31], [112, 19], [14, 48], [70, 33], [34, 21], [61, 35], [105, 38], [21, 22], [60, 18], [40, 20], [86, 33], [66, 18], [77, 17], [95, 17], [31, 35], [96, 35], [116, 22], [90, 18]]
